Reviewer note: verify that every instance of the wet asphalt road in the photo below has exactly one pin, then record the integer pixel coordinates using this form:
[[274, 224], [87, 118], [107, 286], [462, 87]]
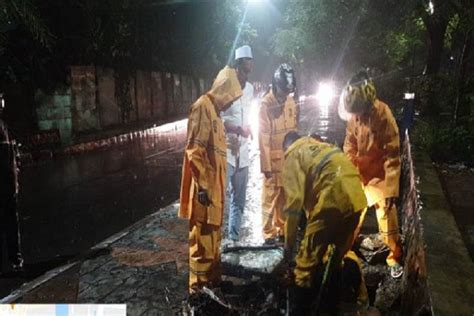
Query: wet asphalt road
[[70, 204]]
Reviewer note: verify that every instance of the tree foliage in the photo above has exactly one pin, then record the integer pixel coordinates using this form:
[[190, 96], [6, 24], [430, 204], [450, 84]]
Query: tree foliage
[[20, 19], [336, 37]]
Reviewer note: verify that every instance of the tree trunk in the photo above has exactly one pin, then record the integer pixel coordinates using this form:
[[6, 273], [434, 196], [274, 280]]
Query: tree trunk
[[436, 31], [462, 108]]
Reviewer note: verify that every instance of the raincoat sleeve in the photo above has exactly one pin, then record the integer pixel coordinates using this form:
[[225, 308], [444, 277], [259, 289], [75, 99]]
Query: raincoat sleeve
[[350, 143], [392, 154], [199, 129], [294, 188], [264, 139]]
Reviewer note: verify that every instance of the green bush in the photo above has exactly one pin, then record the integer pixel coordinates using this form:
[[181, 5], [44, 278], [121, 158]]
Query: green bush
[[445, 142]]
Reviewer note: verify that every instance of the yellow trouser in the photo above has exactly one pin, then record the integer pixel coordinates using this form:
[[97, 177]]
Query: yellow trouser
[[363, 295], [204, 255], [388, 228], [326, 228], [272, 208]]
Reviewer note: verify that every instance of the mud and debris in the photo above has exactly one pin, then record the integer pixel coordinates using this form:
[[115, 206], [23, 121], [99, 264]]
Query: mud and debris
[[261, 287]]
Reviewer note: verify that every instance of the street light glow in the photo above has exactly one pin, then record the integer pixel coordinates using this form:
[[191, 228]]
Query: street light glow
[[326, 93], [409, 95]]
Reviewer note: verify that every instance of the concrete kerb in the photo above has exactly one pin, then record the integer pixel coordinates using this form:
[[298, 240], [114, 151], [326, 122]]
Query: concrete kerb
[[438, 278], [101, 247], [30, 286], [449, 268]]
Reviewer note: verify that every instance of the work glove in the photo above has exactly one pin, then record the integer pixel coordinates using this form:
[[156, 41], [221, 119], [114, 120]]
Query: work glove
[[203, 198]]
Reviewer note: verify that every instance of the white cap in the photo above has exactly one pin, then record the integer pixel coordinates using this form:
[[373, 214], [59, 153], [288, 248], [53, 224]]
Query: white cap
[[243, 52]]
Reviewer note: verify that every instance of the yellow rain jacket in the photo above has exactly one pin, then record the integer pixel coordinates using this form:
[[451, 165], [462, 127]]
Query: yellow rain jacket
[[204, 167], [276, 121], [372, 143], [205, 162], [319, 179]]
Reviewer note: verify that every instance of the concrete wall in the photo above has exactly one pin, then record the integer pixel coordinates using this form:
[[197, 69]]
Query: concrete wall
[[90, 104], [439, 273], [84, 105], [54, 113], [158, 96], [109, 111]]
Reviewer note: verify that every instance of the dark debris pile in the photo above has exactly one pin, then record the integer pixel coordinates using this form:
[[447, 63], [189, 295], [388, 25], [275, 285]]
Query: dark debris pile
[[269, 295]]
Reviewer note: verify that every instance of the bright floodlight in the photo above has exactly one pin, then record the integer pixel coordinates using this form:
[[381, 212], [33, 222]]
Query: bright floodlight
[[325, 93], [409, 96]]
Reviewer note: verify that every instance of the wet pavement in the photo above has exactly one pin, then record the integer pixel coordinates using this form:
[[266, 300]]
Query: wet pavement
[[458, 182], [98, 194]]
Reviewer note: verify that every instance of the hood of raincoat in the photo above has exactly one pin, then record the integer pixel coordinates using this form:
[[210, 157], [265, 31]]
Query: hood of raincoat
[[226, 88]]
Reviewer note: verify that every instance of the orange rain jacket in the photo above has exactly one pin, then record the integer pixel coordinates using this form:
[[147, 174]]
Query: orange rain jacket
[[275, 122], [373, 145], [205, 162]]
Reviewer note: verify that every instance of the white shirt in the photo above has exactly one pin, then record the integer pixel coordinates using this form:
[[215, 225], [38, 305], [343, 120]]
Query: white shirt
[[238, 115]]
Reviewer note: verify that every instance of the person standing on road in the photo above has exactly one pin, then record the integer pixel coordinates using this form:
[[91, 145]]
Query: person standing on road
[[372, 143], [278, 116], [203, 178], [9, 188], [238, 134]]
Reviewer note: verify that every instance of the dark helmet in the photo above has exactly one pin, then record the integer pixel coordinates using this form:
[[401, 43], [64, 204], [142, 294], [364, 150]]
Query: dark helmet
[[284, 80]]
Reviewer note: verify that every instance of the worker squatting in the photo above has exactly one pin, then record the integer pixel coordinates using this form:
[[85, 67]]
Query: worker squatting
[[303, 176]]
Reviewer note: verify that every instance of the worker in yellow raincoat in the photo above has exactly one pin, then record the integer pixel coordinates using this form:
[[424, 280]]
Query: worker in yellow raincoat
[[204, 179], [320, 181], [372, 143], [278, 116]]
